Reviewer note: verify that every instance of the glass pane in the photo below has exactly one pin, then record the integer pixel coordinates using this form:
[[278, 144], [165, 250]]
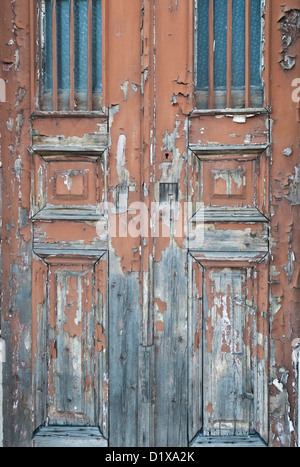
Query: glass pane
[[97, 46], [220, 36], [80, 40], [47, 48], [238, 44], [202, 44], [63, 47], [255, 67]]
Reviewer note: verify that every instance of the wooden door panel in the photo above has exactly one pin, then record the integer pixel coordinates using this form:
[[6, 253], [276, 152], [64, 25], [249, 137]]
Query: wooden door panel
[[226, 359], [228, 335], [231, 182], [71, 330], [229, 165], [69, 341], [69, 308]]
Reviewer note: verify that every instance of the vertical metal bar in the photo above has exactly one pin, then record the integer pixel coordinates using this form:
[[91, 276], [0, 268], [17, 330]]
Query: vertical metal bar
[[104, 53], [195, 26], [267, 51], [54, 56], [32, 13], [90, 55], [247, 52], [72, 78], [211, 47], [229, 54]]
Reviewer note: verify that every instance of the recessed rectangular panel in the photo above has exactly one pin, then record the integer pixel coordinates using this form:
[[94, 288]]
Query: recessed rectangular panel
[[69, 311], [227, 129], [228, 183], [71, 184], [227, 393], [71, 340]]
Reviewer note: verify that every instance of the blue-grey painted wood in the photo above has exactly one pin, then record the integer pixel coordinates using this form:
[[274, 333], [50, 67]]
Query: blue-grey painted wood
[[64, 437], [124, 326]]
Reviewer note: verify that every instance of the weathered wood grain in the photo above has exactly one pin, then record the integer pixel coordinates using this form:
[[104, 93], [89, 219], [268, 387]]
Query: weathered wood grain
[[171, 349], [195, 345], [124, 328], [239, 240]]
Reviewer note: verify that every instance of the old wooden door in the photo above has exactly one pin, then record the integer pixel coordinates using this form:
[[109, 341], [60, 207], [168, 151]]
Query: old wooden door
[[149, 146], [229, 177]]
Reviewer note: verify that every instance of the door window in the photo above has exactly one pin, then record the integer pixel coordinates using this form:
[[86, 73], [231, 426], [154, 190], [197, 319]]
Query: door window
[[71, 40], [228, 54]]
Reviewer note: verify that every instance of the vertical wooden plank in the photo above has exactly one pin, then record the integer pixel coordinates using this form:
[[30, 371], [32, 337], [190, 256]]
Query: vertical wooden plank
[[170, 333], [170, 255], [211, 52], [90, 55], [72, 78], [261, 352], [39, 343], [124, 321], [124, 253], [54, 56], [101, 330], [229, 54], [146, 426], [247, 52], [195, 339]]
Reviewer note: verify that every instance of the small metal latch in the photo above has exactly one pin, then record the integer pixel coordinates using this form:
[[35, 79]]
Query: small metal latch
[[168, 192]]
